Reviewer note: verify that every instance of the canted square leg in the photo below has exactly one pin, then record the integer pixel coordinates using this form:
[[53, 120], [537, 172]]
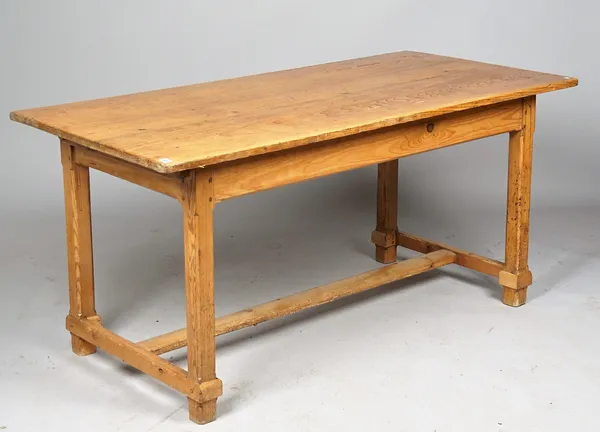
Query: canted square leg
[[79, 243], [198, 201], [384, 236], [516, 277]]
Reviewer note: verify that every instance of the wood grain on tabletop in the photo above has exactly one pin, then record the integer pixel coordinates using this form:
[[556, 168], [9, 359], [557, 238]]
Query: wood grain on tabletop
[[197, 125]]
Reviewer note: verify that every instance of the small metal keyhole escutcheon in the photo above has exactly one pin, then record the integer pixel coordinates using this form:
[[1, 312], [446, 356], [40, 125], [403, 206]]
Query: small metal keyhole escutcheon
[[429, 127]]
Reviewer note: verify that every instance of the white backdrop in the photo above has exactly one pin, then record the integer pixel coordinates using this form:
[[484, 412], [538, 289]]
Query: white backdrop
[[442, 352]]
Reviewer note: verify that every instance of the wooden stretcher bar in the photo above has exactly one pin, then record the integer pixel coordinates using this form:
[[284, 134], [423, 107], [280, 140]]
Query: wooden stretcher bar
[[91, 330], [307, 299], [463, 258]]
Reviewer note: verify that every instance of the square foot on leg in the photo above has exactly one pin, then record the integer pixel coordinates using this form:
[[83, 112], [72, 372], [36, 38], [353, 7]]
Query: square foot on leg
[[202, 413], [385, 255], [385, 246], [81, 347], [514, 297], [515, 287]]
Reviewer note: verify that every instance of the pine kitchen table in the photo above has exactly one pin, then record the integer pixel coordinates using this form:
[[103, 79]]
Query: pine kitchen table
[[205, 143]]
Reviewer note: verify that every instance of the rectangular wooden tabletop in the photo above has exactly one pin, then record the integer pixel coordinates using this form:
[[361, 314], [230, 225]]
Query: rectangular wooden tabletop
[[198, 125]]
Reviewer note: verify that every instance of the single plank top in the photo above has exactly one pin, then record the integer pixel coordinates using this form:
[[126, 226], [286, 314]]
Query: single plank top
[[198, 125]]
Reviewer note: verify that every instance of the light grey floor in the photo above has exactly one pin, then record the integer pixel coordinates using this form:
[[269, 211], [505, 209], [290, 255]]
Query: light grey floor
[[438, 352]]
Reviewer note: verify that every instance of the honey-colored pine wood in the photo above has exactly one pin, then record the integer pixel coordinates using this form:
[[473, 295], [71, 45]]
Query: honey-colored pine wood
[[170, 341], [307, 299], [204, 124], [292, 166], [520, 152], [209, 142], [167, 184], [90, 330], [463, 258], [76, 179], [336, 290], [198, 202], [387, 210]]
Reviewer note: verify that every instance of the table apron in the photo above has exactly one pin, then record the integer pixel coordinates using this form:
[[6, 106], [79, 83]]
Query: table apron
[[167, 184], [304, 163]]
